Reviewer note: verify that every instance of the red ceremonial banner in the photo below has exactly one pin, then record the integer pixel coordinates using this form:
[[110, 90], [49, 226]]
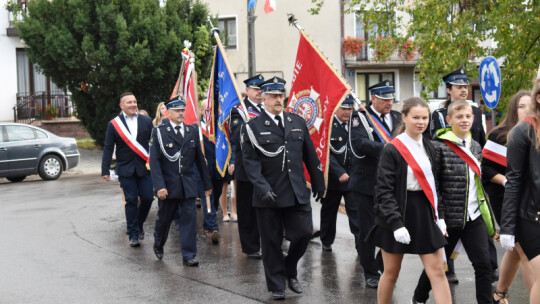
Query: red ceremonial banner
[[316, 93]]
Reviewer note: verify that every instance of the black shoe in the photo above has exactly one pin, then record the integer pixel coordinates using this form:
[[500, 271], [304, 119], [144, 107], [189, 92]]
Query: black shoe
[[452, 278], [294, 285], [413, 301], [134, 243], [191, 262], [141, 235], [326, 247], [254, 256], [494, 275], [372, 282], [278, 295], [159, 252], [315, 234]]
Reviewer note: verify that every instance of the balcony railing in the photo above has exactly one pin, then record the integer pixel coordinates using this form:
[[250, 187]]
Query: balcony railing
[[15, 15], [369, 55], [34, 107]]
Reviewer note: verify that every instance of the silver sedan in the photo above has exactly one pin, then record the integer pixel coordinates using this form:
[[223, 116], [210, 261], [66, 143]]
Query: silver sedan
[[27, 150]]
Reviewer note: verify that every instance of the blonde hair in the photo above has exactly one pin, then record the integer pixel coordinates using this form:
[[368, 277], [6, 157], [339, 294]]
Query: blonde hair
[[457, 105], [158, 118]]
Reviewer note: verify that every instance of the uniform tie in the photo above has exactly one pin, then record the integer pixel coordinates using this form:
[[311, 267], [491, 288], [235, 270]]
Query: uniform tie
[[384, 123], [260, 107], [344, 124], [465, 144], [280, 124], [179, 134]]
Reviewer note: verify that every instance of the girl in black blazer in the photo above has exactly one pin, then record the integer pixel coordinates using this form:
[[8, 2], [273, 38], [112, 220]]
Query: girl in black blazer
[[406, 205]]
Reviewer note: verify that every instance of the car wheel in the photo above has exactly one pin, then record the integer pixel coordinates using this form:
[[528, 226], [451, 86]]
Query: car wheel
[[50, 167], [16, 179]]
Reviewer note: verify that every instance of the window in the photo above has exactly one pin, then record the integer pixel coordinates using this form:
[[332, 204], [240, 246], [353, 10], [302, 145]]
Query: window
[[227, 29], [40, 134], [373, 32], [19, 133], [440, 93], [29, 79], [365, 80]]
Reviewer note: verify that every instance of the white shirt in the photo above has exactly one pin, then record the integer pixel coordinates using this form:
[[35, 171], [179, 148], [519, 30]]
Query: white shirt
[[131, 123], [341, 123], [274, 117], [412, 182], [255, 105], [387, 118], [181, 128], [472, 207]]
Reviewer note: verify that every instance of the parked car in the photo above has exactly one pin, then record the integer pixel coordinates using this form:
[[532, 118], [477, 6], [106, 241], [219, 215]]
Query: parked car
[[27, 150]]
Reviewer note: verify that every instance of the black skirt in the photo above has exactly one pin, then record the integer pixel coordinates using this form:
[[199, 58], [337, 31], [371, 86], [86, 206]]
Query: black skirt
[[426, 237], [528, 236]]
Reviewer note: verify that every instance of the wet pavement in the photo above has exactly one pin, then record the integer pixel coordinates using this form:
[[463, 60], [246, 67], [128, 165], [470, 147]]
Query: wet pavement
[[64, 241]]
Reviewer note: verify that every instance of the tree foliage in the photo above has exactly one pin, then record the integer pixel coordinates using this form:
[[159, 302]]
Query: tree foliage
[[99, 49], [452, 33]]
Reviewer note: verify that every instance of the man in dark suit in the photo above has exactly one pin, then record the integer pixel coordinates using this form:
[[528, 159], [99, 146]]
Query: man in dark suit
[[247, 220], [338, 178], [275, 146], [130, 132], [174, 149], [365, 160]]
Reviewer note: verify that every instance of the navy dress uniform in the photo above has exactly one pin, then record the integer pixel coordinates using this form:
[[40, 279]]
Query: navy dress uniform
[[134, 177], [247, 219], [275, 152], [340, 163], [438, 117], [172, 155], [363, 174]]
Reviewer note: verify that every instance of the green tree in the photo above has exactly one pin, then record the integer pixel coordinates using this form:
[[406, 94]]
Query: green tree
[[99, 49], [449, 35]]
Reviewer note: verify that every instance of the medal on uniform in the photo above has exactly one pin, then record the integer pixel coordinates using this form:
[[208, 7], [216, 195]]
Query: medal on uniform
[[340, 139], [355, 122], [170, 145], [289, 119], [266, 123]]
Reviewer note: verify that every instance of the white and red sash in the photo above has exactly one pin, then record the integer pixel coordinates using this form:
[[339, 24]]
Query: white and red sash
[[407, 148], [466, 155], [128, 138], [495, 152]]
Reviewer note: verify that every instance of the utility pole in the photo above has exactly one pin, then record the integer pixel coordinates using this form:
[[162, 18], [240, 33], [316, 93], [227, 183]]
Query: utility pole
[[251, 41]]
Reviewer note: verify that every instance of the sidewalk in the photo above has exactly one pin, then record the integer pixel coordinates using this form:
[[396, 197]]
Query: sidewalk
[[89, 162]]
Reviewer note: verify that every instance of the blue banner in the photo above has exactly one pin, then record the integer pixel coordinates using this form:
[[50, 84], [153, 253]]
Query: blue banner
[[225, 96]]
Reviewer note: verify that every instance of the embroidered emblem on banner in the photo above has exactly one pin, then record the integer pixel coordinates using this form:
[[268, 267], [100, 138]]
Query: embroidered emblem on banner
[[308, 105]]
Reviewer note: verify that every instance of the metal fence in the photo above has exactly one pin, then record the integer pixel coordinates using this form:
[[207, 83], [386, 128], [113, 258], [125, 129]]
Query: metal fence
[[42, 106]]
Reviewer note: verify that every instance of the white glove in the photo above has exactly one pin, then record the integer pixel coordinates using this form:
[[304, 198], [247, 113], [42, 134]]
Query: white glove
[[402, 235], [442, 225], [508, 241]]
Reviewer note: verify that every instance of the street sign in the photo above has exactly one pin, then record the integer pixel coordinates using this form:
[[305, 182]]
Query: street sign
[[490, 81]]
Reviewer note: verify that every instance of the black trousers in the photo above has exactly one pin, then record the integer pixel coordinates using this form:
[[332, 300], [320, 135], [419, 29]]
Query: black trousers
[[475, 242], [247, 218], [188, 225], [298, 226], [329, 211], [366, 250]]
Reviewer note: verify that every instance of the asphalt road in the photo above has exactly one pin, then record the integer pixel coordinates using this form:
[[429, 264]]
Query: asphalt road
[[64, 241]]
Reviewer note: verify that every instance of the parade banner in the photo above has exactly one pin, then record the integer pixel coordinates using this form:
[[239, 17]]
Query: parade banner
[[317, 90], [186, 86], [224, 94]]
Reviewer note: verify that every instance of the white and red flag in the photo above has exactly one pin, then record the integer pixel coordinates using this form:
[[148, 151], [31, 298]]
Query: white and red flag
[[186, 85], [317, 90], [269, 6]]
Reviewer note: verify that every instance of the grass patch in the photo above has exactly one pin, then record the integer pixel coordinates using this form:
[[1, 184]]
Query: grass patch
[[86, 143]]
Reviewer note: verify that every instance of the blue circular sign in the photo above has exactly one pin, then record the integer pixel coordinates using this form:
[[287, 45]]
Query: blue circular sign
[[490, 81]]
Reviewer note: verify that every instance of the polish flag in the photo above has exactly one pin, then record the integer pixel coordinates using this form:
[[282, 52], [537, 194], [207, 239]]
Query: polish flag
[[269, 6]]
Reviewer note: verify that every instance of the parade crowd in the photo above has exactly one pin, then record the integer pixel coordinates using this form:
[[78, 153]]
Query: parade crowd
[[413, 182]]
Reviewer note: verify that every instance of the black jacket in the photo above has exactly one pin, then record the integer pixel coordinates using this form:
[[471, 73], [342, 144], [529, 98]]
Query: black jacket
[[340, 161], [364, 168], [391, 187], [177, 177], [284, 177], [522, 191], [453, 181], [128, 163], [235, 124]]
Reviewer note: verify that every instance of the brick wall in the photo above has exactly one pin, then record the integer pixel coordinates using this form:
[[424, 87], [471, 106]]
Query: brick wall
[[63, 127]]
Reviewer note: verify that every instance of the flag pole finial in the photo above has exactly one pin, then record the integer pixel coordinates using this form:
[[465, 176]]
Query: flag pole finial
[[214, 30], [294, 22]]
